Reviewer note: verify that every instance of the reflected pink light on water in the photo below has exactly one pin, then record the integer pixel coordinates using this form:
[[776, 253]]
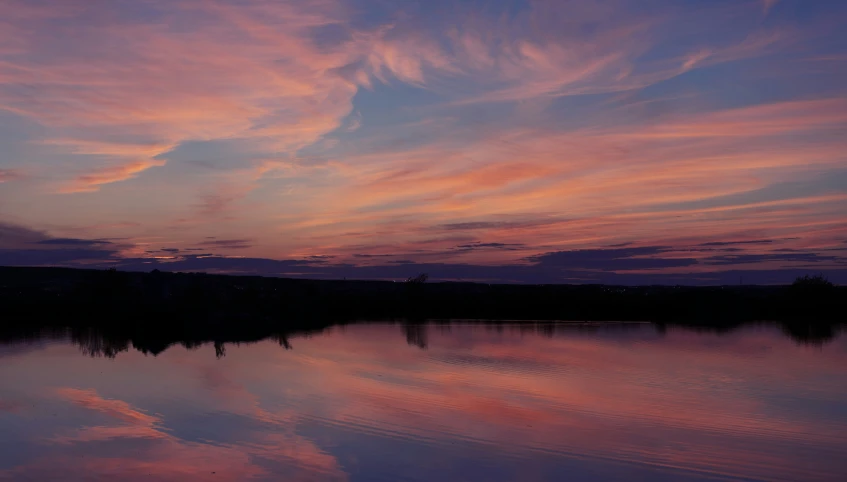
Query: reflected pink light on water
[[342, 405]]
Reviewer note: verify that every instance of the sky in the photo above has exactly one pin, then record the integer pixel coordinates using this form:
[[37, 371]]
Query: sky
[[572, 141]]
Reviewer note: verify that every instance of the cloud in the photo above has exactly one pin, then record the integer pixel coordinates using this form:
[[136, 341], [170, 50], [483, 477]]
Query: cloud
[[758, 260], [7, 175], [72, 242], [640, 266], [757, 121], [14, 235], [92, 181], [22, 246], [732, 243], [617, 259], [783, 258], [482, 246], [223, 77], [499, 225], [75, 257], [228, 243], [598, 183], [568, 49]]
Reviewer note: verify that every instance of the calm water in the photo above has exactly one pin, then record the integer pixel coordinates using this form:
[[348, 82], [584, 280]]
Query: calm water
[[464, 402]]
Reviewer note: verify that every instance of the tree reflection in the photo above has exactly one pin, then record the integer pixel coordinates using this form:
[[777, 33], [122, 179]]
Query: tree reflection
[[416, 334], [98, 342]]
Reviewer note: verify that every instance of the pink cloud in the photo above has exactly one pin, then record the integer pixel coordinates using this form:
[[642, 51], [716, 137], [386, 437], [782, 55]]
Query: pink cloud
[[92, 181], [7, 175], [224, 79], [595, 178]]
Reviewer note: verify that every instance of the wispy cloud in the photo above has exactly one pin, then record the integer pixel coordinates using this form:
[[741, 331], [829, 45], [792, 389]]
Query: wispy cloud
[[91, 181], [221, 78]]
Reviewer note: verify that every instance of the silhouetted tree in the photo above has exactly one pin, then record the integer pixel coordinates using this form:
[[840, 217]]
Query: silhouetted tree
[[818, 280], [419, 279], [812, 288]]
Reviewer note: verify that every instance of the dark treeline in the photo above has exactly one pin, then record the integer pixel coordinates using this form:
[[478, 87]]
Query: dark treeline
[[157, 309]]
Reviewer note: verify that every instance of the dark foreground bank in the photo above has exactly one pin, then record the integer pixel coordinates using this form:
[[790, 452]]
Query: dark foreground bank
[[157, 309]]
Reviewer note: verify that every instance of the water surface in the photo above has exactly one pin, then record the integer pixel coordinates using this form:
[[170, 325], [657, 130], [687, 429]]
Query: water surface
[[458, 402]]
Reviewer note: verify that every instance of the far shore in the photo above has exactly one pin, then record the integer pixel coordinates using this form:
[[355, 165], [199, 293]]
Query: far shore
[[157, 309]]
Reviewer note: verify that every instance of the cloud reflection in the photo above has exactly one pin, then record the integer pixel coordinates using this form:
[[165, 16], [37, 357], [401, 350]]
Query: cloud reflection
[[596, 401]]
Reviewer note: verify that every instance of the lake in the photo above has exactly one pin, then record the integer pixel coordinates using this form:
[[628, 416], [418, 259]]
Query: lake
[[463, 402]]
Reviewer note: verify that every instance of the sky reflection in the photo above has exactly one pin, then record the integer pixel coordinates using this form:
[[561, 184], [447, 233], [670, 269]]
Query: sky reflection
[[359, 403]]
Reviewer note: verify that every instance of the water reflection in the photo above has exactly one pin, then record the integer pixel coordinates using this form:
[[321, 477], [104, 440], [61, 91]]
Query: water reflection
[[427, 402]]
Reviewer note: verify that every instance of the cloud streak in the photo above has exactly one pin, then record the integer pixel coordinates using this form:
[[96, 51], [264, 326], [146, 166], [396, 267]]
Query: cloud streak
[[710, 263]]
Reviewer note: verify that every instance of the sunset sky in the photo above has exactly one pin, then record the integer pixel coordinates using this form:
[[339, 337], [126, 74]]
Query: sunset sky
[[637, 141]]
